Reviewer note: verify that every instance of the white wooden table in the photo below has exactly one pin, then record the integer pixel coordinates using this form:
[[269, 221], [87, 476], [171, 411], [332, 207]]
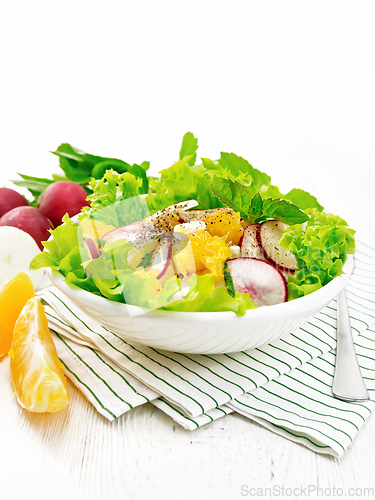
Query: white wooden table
[[287, 85]]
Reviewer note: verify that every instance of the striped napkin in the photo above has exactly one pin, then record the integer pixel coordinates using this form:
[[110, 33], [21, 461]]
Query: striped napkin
[[284, 386]]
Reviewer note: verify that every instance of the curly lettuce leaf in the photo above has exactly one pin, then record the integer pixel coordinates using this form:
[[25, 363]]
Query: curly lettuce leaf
[[237, 166], [116, 198], [320, 249], [204, 297], [303, 199], [189, 148], [181, 182]]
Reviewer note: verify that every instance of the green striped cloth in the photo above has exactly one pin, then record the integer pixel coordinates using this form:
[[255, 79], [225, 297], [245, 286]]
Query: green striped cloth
[[285, 386]]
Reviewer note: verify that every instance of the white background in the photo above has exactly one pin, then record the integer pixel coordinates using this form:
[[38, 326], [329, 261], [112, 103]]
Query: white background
[[289, 85]]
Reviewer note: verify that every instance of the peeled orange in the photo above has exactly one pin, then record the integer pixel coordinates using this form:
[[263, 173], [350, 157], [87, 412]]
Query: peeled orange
[[38, 379], [219, 222], [210, 253], [224, 222], [13, 296]]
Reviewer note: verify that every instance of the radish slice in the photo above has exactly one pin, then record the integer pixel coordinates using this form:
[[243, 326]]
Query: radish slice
[[249, 243], [265, 284], [137, 232], [168, 260], [17, 249], [91, 247], [268, 236]]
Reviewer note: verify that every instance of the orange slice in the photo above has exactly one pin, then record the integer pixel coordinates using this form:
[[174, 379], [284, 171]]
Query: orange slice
[[210, 253], [38, 379], [13, 296], [224, 222]]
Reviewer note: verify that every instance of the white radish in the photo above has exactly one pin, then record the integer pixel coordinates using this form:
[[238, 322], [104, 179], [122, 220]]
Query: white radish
[[249, 243], [268, 236], [17, 250], [265, 284]]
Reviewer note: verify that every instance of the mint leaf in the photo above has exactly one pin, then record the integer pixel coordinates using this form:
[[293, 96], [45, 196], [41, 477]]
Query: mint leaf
[[283, 211], [256, 207], [238, 197], [189, 148], [233, 194]]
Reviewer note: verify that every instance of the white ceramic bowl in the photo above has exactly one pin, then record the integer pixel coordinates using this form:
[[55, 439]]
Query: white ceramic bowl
[[203, 332]]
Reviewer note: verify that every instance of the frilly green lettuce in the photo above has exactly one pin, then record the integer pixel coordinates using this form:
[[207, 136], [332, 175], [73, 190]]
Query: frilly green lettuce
[[320, 248], [112, 277]]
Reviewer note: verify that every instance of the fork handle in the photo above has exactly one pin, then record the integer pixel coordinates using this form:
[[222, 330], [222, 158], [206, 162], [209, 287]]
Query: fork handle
[[348, 383]]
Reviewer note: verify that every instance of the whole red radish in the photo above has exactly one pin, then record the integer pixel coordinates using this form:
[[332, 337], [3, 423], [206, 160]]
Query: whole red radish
[[9, 198], [31, 220], [60, 198]]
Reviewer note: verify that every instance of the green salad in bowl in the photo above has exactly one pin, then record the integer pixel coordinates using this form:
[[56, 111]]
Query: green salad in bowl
[[214, 236]]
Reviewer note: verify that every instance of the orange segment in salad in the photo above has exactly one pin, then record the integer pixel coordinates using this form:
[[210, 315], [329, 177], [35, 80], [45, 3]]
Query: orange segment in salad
[[224, 222], [219, 222], [210, 253]]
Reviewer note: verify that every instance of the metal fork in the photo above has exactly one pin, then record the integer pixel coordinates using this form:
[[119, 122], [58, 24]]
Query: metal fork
[[348, 383]]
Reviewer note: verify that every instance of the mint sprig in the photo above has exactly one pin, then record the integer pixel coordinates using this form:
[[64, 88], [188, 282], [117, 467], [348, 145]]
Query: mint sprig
[[255, 209]]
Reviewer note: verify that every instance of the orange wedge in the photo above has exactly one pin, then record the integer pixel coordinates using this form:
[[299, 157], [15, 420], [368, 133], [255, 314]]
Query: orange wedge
[[38, 379], [210, 253], [13, 296]]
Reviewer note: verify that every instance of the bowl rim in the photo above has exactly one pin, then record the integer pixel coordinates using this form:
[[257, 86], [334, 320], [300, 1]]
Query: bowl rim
[[290, 308]]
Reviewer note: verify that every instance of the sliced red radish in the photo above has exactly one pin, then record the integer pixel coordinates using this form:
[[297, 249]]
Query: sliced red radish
[[136, 232], [265, 284], [249, 243], [268, 236], [168, 259], [89, 244]]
